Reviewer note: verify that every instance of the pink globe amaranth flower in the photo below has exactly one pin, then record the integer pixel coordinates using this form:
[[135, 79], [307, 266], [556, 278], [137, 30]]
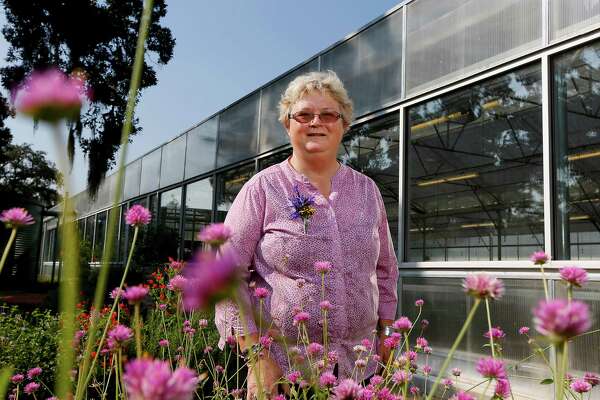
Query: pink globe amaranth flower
[[120, 334], [421, 342], [323, 267], [366, 342], [574, 275], [360, 363], [462, 396], [208, 349], [502, 390], [581, 386], [116, 292], [17, 378], [301, 318], [332, 357], [279, 397], [231, 341], [539, 258], [592, 378], [265, 341], [400, 377], [294, 376], [162, 307], [490, 367], [203, 323], [376, 380], [219, 369], [327, 379], [447, 383], [215, 234], [33, 372], [419, 302], [163, 343], [261, 293], [16, 217], [559, 320], [403, 324], [424, 324], [177, 283], [135, 294], [348, 389], [427, 369], [367, 394], [50, 95], [414, 390], [524, 330], [138, 216], [427, 350], [314, 349], [497, 333], [325, 305], [483, 286], [391, 342], [210, 278], [456, 372], [31, 387], [147, 379]]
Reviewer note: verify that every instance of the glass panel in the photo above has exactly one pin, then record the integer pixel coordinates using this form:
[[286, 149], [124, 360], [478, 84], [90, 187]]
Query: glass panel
[[272, 132], [90, 225], [170, 214], [475, 179], [171, 169], [229, 184], [569, 17], [238, 129], [372, 149], [370, 64], [132, 180], [124, 236], [201, 148], [150, 171], [576, 150], [100, 234], [198, 213], [446, 308], [273, 159], [448, 38], [49, 245]]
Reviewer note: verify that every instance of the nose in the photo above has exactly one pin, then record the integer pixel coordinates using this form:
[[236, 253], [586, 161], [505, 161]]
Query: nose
[[314, 119]]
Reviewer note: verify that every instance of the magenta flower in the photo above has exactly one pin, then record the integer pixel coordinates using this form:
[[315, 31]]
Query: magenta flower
[[419, 302], [314, 349], [462, 396], [301, 318], [424, 324], [490, 367], [392, 341], [231, 341], [138, 216], [325, 305], [16, 217], [376, 380], [497, 333], [147, 379], [422, 342], [323, 267], [581, 386], [427, 350], [561, 320], [177, 283], [163, 343], [215, 234], [50, 96], [400, 377], [116, 292], [210, 279], [427, 369], [327, 379], [502, 390], [592, 378], [31, 387], [162, 306], [403, 324], [265, 341], [17, 378], [135, 294], [360, 363], [118, 335], [33, 372], [414, 390], [483, 286], [524, 330], [447, 383], [574, 275], [348, 389], [294, 376], [332, 357], [539, 258], [456, 372], [261, 293]]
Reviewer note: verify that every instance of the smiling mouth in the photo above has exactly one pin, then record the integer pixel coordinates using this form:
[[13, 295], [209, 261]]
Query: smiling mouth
[[316, 134]]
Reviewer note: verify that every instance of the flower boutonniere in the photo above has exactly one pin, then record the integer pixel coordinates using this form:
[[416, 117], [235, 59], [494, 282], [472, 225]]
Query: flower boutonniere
[[303, 207]]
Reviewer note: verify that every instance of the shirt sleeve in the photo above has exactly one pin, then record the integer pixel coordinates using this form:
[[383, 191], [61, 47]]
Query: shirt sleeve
[[245, 218], [387, 265]]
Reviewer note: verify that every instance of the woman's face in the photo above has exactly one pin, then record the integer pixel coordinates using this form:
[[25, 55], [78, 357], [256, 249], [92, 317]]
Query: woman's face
[[316, 136]]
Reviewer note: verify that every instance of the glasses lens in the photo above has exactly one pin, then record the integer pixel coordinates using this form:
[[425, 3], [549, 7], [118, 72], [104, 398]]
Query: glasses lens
[[303, 117], [328, 117]]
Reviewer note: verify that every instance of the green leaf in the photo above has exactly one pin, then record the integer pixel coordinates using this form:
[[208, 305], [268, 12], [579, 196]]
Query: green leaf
[[547, 381]]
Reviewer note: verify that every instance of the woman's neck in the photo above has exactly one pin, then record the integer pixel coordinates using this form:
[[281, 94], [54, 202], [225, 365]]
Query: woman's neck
[[315, 167]]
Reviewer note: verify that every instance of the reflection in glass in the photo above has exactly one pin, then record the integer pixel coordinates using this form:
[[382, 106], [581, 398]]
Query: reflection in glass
[[238, 131], [475, 183], [372, 149], [172, 163], [90, 225], [198, 214], [276, 158], [100, 234], [131, 187], [150, 171], [124, 235], [201, 149], [576, 114], [170, 214], [229, 184]]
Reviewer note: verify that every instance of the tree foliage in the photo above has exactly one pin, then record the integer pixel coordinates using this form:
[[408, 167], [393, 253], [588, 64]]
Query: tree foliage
[[99, 39]]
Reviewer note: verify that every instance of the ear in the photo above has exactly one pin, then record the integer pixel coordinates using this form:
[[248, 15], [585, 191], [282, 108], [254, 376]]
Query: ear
[[286, 125]]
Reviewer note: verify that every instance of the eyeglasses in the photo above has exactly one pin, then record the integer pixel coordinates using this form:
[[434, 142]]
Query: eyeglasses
[[305, 117]]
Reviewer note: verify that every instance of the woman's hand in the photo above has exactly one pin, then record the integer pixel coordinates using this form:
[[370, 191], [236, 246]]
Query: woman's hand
[[266, 371], [383, 351]]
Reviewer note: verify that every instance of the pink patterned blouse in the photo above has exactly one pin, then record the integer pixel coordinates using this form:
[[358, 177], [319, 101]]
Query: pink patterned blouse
[[349, 229]]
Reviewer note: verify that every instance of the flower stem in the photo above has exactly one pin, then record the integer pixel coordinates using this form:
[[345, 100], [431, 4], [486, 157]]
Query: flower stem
[[5, 374], [138, 330], [561, 366], [11, 239], [457, 341], [489, 320], [545, 283]]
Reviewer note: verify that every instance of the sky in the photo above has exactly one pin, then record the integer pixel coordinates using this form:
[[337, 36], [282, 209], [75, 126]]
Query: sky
[[224, 50]]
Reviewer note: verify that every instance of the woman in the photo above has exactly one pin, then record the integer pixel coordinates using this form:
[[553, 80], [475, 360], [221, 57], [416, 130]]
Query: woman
[[343, 222]]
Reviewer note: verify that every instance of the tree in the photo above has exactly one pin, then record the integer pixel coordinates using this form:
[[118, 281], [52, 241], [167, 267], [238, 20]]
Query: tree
[[98, 39]]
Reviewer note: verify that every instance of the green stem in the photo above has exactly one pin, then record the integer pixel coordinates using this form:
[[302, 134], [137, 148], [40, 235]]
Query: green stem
[[5, 374], [138, 330], [454, 347], [489, 320], [569, 292], [561, 366], [11, 239], [545, 283]]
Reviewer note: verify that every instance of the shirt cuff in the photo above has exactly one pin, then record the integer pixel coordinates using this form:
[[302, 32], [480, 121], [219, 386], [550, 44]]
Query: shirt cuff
[[387, 310]]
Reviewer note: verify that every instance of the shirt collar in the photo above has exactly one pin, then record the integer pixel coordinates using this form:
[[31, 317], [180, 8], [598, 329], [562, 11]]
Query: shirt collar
[[297, 176]]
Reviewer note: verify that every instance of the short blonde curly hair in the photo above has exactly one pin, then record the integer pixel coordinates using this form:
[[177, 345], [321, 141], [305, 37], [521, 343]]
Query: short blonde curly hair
[[324, 82]]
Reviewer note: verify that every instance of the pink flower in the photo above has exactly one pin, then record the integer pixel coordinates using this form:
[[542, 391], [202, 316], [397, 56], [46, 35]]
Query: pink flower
[[400, 377], [314, 349], [560, 319], [366, 342], [360, 363], [33, 372], [422, 342], [402, 324], [322, 267], [581, 386], [502, 390], [210, 279], [574, 275], [279, 397], [265, 341], [592, 378], [301, 317], [366, 394], [524, 330], [462, 396], [427, 350], [50, 96], [456, 371], [116, 292], [414, 390], [327, 379], [332, 357], [376, 380], [219, 369], [31, 387], [447, 383], [208, 349], [162, 307], [135, 294], [294, 376], [16, 217], [497, 333], [427, 369], [138, 216], [483, 286], [215, 234], [392, 341], [359, 348], [419, 302], [261, 292], [177, 283], [17, 378], [163, 343], [539, 258], [325, 305], [424, 324], [490, 367], [348, 389], [202, 323], [231, 341], [119, 335], [147, 379]]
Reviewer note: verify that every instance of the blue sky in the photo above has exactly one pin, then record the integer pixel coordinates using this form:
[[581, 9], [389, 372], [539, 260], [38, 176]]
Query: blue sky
[[225, 49]]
